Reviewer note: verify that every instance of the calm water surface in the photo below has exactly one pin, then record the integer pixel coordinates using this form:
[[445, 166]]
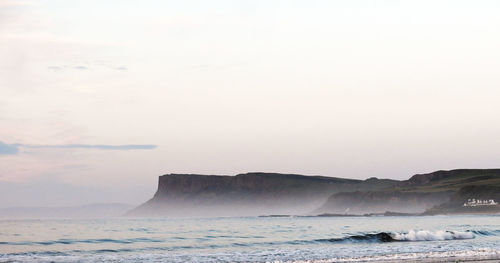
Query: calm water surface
[[249, 239]]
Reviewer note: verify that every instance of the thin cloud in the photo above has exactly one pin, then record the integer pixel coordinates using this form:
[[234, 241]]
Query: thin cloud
[[96, 146], [12, 149], [8, 149]]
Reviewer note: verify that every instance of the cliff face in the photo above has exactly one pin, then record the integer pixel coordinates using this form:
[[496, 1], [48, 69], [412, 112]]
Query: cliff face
[[246, 194], [255, 183], [255, 194]]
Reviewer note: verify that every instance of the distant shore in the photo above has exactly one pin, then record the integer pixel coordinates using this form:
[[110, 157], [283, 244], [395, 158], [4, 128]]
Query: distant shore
[[446, 260], [494, 259], [382, 214]]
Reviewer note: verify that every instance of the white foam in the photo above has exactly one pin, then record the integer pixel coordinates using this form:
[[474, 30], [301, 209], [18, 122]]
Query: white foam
[[424, 235], [476, 254]]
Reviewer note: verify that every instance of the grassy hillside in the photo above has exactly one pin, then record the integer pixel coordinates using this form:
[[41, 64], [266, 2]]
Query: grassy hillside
[[452, 180], [437, 192]]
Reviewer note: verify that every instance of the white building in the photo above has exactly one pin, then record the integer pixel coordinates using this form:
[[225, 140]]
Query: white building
[[478, 202]]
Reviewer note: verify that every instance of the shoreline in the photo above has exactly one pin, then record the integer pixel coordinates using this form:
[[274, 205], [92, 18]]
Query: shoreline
[[492, 259], [483, 255], [444, 260], [386, 214]]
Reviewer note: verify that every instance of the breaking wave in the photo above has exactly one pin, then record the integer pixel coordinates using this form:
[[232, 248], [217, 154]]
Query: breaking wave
[[412, 235], [424, 235], [382, 237], [379, 237]]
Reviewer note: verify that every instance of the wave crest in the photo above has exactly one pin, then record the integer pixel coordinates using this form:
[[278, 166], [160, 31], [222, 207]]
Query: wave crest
[[412, 235], [424, 235]]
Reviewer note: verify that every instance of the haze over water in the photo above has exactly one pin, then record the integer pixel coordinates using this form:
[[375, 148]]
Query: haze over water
[[250, 239]]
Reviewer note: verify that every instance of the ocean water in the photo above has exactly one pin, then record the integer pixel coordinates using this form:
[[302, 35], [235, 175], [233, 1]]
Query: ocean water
[[250, 239]]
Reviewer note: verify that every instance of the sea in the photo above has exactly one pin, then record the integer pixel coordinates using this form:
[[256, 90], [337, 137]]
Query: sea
[[251, 239]]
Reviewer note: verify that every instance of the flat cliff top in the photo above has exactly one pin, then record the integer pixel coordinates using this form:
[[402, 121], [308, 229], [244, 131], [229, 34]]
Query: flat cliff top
[[263, 183], [265, 175]]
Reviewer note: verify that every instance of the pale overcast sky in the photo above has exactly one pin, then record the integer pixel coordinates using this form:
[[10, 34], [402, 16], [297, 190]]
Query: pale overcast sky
[[99, 98]]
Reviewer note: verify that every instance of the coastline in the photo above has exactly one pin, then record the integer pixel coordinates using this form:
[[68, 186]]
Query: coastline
[[386, 214], [483, 255], [423, 260], [446, 260]]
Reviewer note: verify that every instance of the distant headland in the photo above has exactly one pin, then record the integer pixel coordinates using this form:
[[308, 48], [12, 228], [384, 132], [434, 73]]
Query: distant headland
[[256, 194]]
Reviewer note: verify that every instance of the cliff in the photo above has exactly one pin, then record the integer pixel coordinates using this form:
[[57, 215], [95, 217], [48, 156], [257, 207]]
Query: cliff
[[360, 203], [253, 194], [246, 194], [433, 193]]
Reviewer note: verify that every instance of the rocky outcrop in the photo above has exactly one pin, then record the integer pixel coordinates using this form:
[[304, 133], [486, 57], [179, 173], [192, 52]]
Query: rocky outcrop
[[359, 203], [246, 194], [256, 183]]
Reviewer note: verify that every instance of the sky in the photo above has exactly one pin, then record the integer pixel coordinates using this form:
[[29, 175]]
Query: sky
[[99, 98]]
